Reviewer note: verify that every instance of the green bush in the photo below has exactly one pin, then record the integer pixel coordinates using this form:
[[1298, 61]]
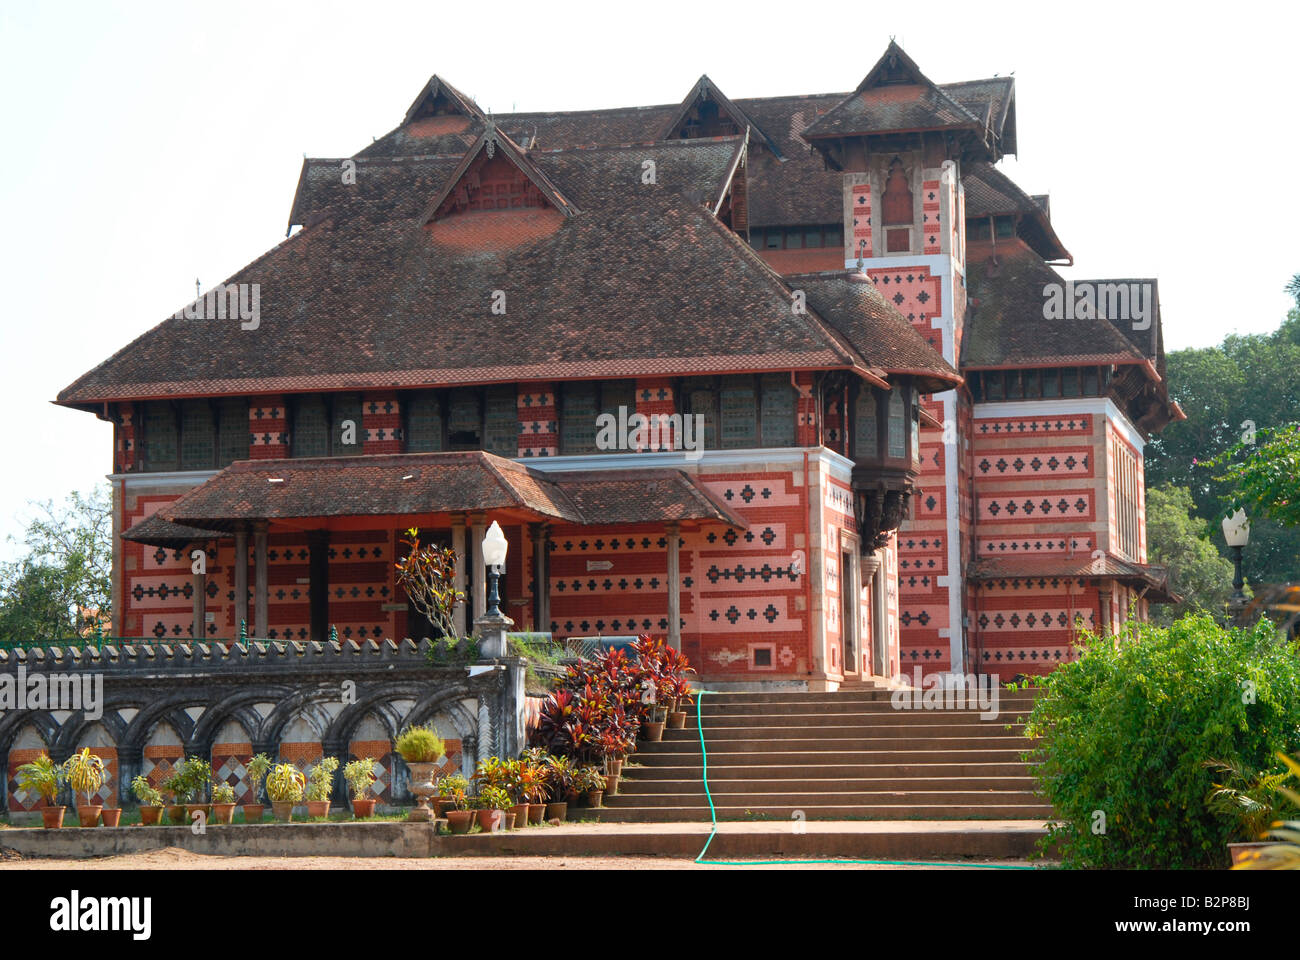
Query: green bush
[[1127, 730]]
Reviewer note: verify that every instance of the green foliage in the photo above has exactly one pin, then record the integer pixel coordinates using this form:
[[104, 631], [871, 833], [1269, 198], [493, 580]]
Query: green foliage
[[1223, 390], [428, 575], [452, 650], [1253, 799], [1127, 730], [360, 774], [145, 792], [189, 781], [223, 793], [448, 786], [1182, 541], [84, 772], [420, 745], [494, 798], [320, 782], [42, 776], [285, 784], [63, 581], [257, 769], [1265, 475]]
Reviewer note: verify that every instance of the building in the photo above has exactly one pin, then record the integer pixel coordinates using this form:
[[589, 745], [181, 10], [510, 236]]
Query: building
[[477, 313]]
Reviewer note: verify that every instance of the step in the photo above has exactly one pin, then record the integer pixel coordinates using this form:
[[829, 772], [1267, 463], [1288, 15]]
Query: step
[[906, 740], [841, 696], [802, 799], [910, 811], [844, 771], [819, 784], [681, 754], [805, 726], [802, 708]]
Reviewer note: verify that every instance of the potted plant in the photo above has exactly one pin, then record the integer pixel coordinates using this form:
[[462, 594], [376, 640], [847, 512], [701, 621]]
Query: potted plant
[[459, 815], [42, 776], [285, 786], [175, 787], [421, 748], [447, 791], [223, 803], [151, 801], [559, 784], [85, 774], [1255, 799], [591, 781], [187, 785], [320, 784], [360, 775], [256, 771], [531, 789], [493, 803]]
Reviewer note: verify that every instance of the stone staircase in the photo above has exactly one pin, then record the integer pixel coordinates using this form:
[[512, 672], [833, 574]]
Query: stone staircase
[[848, 755]]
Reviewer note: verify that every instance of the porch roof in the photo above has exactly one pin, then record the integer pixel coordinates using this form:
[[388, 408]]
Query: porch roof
[[314, 492], [1106, 567]]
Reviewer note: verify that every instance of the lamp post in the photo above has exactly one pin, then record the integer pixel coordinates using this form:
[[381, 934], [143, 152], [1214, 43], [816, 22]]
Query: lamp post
[[494, 556], [1236, 532]]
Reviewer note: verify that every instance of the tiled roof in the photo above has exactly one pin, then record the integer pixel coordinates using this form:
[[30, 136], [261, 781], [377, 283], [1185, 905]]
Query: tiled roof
[[424, 484], [1152, 576], [990, 192], [874, 327]]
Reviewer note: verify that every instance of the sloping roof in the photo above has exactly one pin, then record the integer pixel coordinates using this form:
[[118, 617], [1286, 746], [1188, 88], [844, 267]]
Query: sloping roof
[[422, 484], [705, 90], [857, 309], [1005, 323], [156, 531], [1106, 567], [994, 98], [990, 192]]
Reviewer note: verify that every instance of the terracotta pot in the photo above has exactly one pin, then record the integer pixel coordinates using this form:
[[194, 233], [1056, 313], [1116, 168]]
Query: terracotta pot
[[614, 768], [536, 813], [672, 705], [89, 815], [283, 810], [490, 821], [150, 816], [362, 809], [594, 797], [557, 811], [677, 720], [458, 821], [571, 798], [440, 806], [223, 813], [611, 786], [654, 731], [192, 808], [511, 818], [176, 813], [52, 817], [111, 816], [318, 808], [253, 812], [1241, 852], [520, 810]]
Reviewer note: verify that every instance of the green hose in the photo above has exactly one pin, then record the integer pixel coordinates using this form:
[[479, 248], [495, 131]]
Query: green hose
[[713, 814]]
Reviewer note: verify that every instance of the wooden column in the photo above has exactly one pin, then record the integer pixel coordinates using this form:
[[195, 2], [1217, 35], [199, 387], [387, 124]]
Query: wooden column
[[260, 583], [674, 587], [458, 545], [478, 527], [241, 579], [541, 577]]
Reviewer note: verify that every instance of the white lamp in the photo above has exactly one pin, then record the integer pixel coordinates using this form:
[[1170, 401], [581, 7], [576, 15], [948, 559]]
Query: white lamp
[[1236, 529], [495, 546]]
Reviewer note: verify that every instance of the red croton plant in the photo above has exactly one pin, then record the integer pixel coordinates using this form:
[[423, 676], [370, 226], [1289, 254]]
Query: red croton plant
[[603, 700]]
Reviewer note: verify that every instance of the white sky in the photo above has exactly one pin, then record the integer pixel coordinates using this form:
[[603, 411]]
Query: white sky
[[147, 144]]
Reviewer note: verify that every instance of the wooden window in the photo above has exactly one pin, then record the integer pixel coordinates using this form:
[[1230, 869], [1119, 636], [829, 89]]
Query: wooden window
[[620, 393], [1005, 227], [346, 408], [1070, 382], [866, 440], [794, 240], [578, 411], [993, 385], [423, 423], [160, 436], [501, 422], [980, 229], [898, 422], [311, 432], [233, 432], [198, 436], [833, 236], [1051, 384], [916, 429], [812, 237], [704, 402], [777, 411], [896, 203], [464, 421], [1033, 384], [739, 413], [1015, 388], [1090, 382], [773, 240]]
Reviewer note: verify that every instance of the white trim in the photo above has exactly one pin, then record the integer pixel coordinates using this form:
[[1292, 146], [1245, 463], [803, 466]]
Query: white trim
[[1062, 407], [939, 262], [782, 457], [169, 476]]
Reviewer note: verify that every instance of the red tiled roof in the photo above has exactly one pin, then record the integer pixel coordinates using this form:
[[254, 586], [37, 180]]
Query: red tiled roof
[[1106, 567]]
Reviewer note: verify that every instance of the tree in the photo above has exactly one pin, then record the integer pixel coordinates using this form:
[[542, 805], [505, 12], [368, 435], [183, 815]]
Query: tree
[[65, 575], [1231, 392], [1266, 481], [1179, 539], [428, 574]]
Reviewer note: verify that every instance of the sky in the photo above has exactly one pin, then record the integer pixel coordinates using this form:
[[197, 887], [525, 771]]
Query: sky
[[147, 145]]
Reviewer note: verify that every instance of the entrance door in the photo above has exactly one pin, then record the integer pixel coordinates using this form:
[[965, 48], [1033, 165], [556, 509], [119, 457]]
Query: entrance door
[[849, 592], [879, 646]]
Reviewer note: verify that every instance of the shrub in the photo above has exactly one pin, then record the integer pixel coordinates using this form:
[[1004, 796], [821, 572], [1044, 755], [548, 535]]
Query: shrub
[[1127, 730], [145, 792], [360, 775], [223, 793], [41, 776], [420, 745], [321, 779], [285, 784]]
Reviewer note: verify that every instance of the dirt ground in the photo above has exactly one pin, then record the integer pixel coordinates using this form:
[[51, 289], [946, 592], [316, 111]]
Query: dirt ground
[[176, 859]]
